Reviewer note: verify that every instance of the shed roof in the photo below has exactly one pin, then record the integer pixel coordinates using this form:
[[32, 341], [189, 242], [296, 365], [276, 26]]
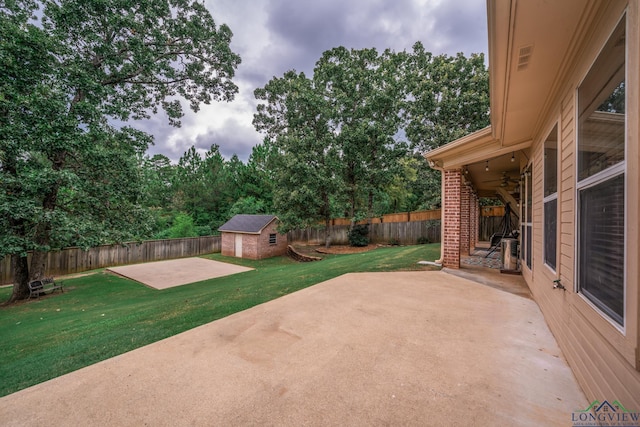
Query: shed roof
[[247, 223]]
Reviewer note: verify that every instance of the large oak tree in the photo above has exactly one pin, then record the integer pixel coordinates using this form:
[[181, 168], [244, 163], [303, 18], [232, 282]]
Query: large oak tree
[[67, 74], [296, 118]]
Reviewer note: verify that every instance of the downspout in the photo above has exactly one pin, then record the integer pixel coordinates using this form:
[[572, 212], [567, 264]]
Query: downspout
[[434, 165]]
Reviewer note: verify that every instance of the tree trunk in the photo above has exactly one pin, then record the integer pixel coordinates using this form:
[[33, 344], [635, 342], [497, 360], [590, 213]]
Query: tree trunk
[[42, 235], [370, 209], [352, 209], [327, 232], [20, 268], [37, 265], [327, 219], [42, 239], [18, 227]]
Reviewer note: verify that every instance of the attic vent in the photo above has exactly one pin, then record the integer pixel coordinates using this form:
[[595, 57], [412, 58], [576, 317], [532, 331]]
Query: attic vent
[[524, 56]]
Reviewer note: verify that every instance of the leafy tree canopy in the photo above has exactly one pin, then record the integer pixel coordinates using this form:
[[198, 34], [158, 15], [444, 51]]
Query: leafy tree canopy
[[339, 133], [66, 74], [447, 97]]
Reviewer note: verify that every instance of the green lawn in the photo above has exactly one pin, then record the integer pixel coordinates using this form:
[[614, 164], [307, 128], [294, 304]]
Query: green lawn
[[101, 315]]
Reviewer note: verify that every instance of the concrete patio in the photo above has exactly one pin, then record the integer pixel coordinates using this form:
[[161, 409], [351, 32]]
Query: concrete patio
[[407, 348]]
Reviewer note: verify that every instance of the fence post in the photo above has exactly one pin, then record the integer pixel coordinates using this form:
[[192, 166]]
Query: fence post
[[76, 260]]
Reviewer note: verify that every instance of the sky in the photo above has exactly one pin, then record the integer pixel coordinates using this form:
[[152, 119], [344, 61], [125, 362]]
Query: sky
[[275, 36]]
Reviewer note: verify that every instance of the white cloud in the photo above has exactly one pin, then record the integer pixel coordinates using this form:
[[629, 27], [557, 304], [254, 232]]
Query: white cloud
[[273, 36]]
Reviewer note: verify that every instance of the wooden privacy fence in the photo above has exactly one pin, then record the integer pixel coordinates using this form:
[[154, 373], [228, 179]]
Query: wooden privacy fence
[[394, 227], [491, 221], [76, 260], [492, 211], [394, 217], [406, 228], [487, 226], [404, 233]]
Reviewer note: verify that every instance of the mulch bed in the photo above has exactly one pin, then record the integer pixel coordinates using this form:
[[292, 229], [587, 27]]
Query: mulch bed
[[339, 249]]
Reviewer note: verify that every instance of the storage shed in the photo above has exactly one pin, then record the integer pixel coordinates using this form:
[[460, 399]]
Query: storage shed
[[252, 237]]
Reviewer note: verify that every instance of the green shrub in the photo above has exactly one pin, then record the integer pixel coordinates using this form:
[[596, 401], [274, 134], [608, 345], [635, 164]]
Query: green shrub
[[204, 230], [359, 235], [182, 227], [423, 240]]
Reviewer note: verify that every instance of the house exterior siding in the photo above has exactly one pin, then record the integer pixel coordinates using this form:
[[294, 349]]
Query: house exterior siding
[[603, 356], [598, 335]]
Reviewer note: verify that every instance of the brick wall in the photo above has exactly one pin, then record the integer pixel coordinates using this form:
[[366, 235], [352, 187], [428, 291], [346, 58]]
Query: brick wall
[[474, 212], [228, 244], [465, 219], [255, 246], [451, 229], [477, 218], [250, 246], [267, 250]]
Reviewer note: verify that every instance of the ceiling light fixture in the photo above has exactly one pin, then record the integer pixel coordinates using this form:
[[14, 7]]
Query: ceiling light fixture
[[513, 157], [486, 168]]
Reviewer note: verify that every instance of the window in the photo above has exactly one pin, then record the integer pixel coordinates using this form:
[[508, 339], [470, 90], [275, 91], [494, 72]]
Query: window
[[551, 198], [601, 179], [273, 238], [526, 215]]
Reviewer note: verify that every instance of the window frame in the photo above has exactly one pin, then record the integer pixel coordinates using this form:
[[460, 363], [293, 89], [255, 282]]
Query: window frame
[[273, 239], [550, 198], [526, 216], [601, 177]]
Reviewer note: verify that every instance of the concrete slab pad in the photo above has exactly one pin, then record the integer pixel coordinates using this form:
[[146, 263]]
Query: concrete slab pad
[[407, 348], [176, 272]]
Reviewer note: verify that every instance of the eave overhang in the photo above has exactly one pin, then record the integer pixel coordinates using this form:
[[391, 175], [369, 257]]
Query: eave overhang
[[473, 148], [532, 44]]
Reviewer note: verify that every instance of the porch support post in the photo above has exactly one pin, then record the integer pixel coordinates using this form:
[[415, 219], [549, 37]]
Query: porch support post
[[474, 210], [451, 212], [465, 219]]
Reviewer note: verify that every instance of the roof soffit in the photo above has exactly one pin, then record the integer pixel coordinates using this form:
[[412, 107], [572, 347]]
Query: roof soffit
[[532, 41], [521, 98]]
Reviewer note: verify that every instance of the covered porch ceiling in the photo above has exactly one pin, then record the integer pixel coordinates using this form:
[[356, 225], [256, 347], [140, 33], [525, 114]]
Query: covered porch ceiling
[[530, 46], [497, 176]]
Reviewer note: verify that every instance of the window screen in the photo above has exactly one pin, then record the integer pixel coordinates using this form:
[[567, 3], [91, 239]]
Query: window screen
[[551, 198], [601, 237], [528, 216], [601, 178], [550, 232]]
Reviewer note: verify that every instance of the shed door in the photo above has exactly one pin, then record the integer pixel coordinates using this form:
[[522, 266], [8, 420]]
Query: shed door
[[239, 245]]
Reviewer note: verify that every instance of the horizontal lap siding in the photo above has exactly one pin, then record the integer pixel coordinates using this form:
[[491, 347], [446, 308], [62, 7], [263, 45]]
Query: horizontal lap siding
[[566, 190], [551, 301], [598, 354], [614, 377], [598, 365]]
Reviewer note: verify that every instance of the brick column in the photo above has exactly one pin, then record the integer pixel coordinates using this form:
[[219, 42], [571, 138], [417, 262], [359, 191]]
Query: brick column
[[465, 219], [473, 221], [477, 227], [451, 207]]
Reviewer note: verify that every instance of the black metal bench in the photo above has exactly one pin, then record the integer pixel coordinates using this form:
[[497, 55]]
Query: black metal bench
[[42, 286]]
